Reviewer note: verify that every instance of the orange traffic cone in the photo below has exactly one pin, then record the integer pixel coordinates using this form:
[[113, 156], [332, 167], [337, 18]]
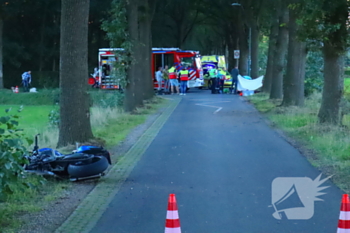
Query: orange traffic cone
[[172, 222], [344, 217], [16, 89]]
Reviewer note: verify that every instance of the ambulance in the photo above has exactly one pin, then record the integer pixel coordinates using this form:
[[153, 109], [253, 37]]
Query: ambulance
[[217, 62]]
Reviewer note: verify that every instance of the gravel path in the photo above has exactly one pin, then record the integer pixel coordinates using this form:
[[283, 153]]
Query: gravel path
[[57, 211]]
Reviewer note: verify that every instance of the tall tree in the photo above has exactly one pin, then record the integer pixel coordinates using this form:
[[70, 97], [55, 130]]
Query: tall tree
[[293, 93], [74, 100], [146, 12], [280, 52], [271, 52], [327, 22], [244, 48], [335, 46]]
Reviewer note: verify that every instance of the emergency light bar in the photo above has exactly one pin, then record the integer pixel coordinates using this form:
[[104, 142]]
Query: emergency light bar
[[153, 49], [166, 49], [111, 49]]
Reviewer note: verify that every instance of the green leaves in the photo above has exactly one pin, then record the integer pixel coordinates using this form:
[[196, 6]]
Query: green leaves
[[12, 152], [116, 27]]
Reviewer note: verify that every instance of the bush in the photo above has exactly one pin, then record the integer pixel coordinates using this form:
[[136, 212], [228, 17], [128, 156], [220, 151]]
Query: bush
[[314, 73], [54, 117], [107, 99], [12, 151]]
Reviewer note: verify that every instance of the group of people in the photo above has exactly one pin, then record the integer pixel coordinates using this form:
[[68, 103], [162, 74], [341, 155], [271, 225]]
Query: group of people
[[217, 79], [171, 78]]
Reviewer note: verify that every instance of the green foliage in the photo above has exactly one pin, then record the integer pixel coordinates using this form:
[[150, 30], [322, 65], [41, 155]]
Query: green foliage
[[42, 97], [12, 151], [263, 54], [314, 73], [117, 33], [54, 117], [323, 20], [107, 99]]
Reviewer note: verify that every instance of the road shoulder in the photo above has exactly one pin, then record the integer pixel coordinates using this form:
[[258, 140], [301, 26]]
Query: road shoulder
[[58, 211]]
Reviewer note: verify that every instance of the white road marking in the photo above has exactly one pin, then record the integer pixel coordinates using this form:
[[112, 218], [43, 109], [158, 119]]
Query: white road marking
[[211, 102], [217, 110]]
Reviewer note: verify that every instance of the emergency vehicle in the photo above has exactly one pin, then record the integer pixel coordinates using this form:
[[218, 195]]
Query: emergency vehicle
[[188, 58], [160, 58], [217, 62]]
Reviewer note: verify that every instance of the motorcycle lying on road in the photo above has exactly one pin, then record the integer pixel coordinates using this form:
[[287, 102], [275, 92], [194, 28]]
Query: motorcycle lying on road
[[86, 162]]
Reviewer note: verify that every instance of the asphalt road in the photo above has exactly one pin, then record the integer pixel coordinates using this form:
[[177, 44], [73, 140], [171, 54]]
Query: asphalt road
[[219, 157]]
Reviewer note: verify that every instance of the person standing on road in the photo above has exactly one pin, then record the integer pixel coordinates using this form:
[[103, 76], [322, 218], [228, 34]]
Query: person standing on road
[[221, 79], [166, 79], [213, 76], [234, 75], [173, 80], [183, 80], [26, 80], [159, 78]]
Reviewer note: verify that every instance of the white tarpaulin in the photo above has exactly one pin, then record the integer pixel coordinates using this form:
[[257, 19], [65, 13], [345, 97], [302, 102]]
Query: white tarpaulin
[[251, 85]]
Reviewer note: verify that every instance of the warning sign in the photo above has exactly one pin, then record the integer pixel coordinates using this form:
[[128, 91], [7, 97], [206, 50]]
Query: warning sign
[[236, 54]]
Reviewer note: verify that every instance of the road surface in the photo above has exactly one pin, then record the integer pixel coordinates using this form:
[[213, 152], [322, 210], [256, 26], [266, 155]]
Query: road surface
[[219, 157]]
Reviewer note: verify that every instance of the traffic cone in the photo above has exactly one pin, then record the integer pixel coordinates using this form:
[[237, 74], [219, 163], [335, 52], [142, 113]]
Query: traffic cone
[[172, 222], [16, 89], [344, 217]]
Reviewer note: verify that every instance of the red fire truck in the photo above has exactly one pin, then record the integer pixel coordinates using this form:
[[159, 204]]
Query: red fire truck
[[161, 57], [188, 58]]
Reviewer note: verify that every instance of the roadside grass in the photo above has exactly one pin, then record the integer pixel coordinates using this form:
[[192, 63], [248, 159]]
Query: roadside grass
[[28, 201], [347, 84], [330, 145], [32, 119], [42, 97], [111, 125]]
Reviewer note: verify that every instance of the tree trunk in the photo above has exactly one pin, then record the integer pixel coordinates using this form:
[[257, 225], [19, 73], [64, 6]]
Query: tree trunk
[[244, 50], [280, 54], [295, 75], [272, 47], [145, 36], [1, 53], [74, 100], [133, 95], [231, 38], [333, 85], [254, 49]]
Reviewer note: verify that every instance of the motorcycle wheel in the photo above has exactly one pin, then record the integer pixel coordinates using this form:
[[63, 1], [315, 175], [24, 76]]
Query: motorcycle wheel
[[79, 170]]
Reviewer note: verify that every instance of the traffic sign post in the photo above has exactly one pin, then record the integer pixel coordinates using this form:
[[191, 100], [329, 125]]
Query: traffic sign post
[[236, 54]]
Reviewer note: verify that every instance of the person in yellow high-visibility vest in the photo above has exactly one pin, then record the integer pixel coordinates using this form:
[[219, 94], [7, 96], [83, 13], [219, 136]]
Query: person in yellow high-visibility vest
[[173, 80], [213, 73], [183, 80]]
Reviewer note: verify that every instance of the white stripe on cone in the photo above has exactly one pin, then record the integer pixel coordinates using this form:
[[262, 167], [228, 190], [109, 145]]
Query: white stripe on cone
[[173, 230], [342, 230], [172, 214], [344, 215]]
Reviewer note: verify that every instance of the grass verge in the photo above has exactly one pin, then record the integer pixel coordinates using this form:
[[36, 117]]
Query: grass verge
[[30, 200], [109, 124], [330, 144]]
